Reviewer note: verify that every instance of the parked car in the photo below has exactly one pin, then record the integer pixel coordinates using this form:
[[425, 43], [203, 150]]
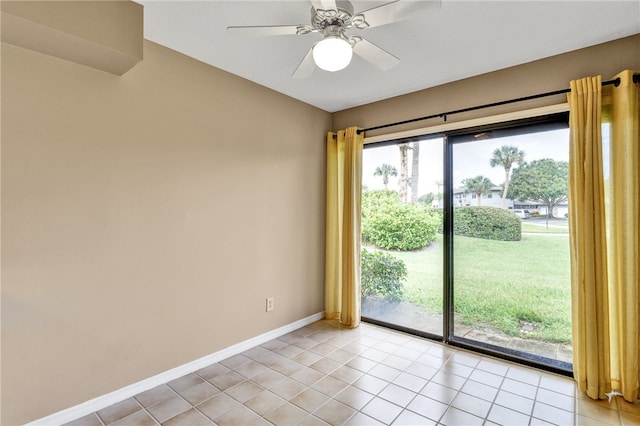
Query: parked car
[[522, 214]]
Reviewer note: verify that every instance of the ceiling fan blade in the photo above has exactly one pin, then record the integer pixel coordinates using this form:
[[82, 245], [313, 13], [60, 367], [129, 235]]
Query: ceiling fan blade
[[396, 11], [324, 4], [375, 55], [264, 30], [306, 66]]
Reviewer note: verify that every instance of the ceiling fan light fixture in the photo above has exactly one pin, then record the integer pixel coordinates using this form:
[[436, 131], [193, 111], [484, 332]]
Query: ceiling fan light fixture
[[332, 53]]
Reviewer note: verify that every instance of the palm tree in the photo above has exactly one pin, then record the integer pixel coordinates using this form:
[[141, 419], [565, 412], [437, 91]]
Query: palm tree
[[505, 156], [403, 180], [479, 185], [415, 171], [385, 171]]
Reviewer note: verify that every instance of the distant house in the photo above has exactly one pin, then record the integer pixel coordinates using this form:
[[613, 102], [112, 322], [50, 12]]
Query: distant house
[[494, 199], [559, 210]]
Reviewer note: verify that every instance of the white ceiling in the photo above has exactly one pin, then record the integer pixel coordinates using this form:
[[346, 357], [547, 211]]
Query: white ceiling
[[456, 40]]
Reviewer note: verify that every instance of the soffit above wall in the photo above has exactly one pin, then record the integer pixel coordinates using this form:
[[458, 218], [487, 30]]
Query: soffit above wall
[[105, 35]]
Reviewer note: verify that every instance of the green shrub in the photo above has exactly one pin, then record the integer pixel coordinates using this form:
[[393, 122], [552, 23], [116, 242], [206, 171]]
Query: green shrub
[[377, 198], [374, 202], [390, 224], [382, 274], [490, 223]]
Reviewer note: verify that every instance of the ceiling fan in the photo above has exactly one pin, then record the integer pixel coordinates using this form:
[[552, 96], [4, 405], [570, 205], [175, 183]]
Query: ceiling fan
[[333, 18]]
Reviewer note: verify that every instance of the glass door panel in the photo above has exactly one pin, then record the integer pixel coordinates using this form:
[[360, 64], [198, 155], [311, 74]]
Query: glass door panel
[[511, 266], [402, 250]]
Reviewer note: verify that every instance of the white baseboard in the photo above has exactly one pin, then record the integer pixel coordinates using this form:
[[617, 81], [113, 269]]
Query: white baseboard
[[114, 397]]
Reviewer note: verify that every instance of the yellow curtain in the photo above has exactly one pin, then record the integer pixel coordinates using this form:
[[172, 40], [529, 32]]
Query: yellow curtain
[[344, 188], [587, 240], [623, 117], [604, 202]]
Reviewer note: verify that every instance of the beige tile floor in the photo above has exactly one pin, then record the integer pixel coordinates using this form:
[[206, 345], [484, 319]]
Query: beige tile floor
[[322, 374]]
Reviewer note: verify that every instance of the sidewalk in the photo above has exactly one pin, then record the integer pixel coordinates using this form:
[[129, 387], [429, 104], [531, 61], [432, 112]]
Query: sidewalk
[[407, 314]]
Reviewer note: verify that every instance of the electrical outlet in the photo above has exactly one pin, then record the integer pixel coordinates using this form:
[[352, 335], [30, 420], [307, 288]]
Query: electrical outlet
[[270, 301]]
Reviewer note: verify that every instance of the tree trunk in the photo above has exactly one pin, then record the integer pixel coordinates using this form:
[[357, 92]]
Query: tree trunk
[[415, 172], [548, 213], [506, 186], [402, 179]]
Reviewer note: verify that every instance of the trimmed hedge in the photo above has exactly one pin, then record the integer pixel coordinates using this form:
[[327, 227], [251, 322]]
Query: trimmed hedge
[[382, 274], [490, 223]]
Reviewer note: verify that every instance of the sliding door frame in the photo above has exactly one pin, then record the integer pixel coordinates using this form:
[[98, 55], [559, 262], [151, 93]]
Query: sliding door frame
[[398, 327], [556, 119]]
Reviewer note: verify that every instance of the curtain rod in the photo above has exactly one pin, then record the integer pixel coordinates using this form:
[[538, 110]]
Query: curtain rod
[[616, 82]]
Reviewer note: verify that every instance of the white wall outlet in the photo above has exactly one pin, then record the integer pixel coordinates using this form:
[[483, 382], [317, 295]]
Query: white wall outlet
[[270, 302]]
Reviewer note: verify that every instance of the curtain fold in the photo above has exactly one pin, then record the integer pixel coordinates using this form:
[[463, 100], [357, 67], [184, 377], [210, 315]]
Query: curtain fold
[[589, 289], [604, 185], [623, 117], [344, 189]]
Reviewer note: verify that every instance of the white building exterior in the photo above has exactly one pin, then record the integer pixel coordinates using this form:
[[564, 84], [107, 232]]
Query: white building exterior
[[494, 199]]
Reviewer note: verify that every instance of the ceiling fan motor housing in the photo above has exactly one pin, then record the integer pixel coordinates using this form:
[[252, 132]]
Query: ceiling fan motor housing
[[342, 16], [334, 31]]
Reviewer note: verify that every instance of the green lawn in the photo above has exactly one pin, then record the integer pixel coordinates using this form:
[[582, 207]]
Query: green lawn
[[542, 229], [499, 284]]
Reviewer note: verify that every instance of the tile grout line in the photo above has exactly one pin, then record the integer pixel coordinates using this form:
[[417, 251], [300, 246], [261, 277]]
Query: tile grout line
[[493, 402], [535, 402]]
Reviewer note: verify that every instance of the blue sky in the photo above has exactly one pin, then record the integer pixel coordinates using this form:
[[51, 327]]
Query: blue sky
[[469, 159]]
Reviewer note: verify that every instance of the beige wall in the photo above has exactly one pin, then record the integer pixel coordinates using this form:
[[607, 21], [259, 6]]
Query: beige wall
[[145, 219], [546, 75]]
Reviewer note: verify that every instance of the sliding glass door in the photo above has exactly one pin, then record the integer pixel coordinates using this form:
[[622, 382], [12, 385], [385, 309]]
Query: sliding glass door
[[510, 242], [465, 239], [402, 263]]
